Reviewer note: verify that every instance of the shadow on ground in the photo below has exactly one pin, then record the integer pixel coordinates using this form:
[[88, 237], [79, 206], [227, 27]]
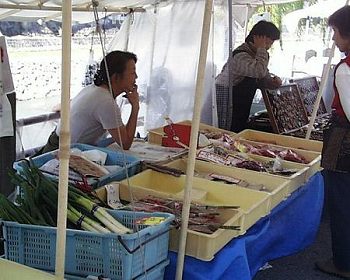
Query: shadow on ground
[[301, 266]]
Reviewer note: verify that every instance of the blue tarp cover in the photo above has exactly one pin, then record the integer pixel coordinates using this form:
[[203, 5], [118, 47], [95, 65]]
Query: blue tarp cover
[[289, 228]]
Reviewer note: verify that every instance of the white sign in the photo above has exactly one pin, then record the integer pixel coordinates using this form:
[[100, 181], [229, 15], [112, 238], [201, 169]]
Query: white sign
[[112, 191], [6, 86]]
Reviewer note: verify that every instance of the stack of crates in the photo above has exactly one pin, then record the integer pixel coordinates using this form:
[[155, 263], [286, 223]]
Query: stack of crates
[[139, 255]]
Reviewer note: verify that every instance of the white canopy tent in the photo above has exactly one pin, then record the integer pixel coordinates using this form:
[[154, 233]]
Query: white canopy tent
[[51, 10], [322, 9], [28, 10]]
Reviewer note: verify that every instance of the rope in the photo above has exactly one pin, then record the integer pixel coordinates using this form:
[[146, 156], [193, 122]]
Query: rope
[[132, 201]]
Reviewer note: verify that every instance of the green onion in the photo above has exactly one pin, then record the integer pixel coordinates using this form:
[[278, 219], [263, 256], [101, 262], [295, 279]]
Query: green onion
[[102, 215]]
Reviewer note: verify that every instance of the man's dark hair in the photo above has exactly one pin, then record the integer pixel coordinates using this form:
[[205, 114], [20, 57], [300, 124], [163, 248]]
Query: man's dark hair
[[263, 28], [116, 61], [341, 20]]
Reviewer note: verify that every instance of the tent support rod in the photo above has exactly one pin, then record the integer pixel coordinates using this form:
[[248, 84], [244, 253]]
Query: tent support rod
[[194, 135], [214, 109], [246, 21], [320, 93], [74, 9], [127, 33], [8, 14], [230, 49], [321, 90], [64, 141]]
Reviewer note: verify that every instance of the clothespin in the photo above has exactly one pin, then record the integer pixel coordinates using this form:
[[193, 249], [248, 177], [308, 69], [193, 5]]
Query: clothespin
[[174, 136]]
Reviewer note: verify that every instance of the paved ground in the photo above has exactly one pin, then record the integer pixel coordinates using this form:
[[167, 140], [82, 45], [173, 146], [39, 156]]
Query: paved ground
[[301, 266]]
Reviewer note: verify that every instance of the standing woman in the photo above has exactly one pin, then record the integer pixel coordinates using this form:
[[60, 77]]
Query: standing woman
[[336, 153], [248, 66], [94, 110]]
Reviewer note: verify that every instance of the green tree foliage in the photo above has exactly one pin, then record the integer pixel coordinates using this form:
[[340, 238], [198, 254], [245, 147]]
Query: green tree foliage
[[278, 10]]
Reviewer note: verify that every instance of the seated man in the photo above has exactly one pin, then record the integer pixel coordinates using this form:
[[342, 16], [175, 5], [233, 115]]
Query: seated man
[[94, 110]]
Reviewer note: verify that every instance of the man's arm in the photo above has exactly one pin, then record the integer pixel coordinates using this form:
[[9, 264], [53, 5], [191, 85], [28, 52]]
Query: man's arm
[[270, 82], [127, 132], [254, 67]]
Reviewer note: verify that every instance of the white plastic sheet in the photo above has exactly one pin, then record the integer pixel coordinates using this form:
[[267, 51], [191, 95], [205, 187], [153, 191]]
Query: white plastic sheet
[[167, 65], [6, 86], [6, 124]]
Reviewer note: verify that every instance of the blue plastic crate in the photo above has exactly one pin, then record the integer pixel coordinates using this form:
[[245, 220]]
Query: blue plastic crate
[[155, 273], [113, 158], [115, 256]]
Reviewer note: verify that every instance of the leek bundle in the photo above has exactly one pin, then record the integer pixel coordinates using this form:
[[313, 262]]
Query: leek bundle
[[38, 200]]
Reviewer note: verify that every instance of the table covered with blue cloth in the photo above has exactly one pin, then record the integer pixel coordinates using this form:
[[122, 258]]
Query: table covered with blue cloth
[[290, 227]]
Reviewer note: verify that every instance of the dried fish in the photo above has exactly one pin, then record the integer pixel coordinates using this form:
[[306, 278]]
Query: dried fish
[[286, 108], [309, 88], [226, 179], [202, 218]]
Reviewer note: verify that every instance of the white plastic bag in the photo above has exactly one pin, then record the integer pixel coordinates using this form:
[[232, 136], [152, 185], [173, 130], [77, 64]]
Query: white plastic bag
[[6, 124]]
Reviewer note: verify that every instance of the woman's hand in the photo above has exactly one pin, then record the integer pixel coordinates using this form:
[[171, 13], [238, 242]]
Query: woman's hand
[[260, 41], [133, 96], [276, 81]]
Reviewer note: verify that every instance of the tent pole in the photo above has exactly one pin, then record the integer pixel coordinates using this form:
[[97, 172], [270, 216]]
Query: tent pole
[[127, 33], [321, 90], [228, 122], [156, 11], [154, 31], [214, 109], [194, 136], [64, 144], [320, 93], [246, 21]]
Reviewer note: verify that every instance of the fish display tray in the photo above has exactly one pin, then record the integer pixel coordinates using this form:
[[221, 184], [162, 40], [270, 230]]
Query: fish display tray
[[313, 158], [309, 87], [297, 179], [305, 171], [310, 156], [253, 204], [278, 188], [285, 108], [204, 246], [280, 140], [199, 245], [130, 167], [115, 256]]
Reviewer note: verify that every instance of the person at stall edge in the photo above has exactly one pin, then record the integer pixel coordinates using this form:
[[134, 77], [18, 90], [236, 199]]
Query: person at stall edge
[[336, 153], [94, 110], [248, 67]]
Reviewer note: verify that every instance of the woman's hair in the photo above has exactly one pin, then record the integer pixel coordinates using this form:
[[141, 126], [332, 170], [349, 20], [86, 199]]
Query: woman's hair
[[341, 20], [116, 62], [263, 28]]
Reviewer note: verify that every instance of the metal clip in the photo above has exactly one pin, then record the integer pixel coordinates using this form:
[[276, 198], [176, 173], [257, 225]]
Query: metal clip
[[174, 135]]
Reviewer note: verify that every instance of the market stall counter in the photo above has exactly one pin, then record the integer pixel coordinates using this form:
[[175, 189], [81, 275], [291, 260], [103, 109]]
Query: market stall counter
[[289, 228]]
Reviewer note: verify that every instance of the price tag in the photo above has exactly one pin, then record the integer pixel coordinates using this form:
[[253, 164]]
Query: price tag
[[151, 221], [112, 191]]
